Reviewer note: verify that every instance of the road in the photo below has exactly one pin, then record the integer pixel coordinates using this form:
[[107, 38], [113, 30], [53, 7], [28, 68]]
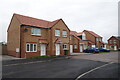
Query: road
[[78, 66]]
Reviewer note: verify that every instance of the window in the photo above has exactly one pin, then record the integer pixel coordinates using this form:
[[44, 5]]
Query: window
[[97, 39], [83, 36], [36, 31], [110, 41], [57, 32], [75, 46], [100, 39], [114, 41], [31, 47], [70, 37], [64, 33], [64, 46]]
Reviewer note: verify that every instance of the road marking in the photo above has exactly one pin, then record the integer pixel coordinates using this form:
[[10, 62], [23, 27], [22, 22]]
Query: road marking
[[31, 62], [93, 70]]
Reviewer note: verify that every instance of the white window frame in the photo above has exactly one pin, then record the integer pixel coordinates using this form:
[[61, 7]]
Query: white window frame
[[70, 37], [100, 39], [110, 41], [115, 41], [30, 47], [64, 33], [75, 46], [97, 39], [57, 32], [83, 36], [35, 31], [64, 46]]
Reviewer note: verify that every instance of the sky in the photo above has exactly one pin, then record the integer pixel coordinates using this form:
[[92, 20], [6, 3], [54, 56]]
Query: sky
[[99, 16]]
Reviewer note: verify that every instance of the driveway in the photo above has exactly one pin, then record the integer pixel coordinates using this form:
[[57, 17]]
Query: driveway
[[76, 67], [104, 57], [6, 57]]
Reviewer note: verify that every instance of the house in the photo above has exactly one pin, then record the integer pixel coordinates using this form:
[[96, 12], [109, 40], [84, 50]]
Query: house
[[90, 39], [114, 42], [28, 37], [74, 42], [84, 43]]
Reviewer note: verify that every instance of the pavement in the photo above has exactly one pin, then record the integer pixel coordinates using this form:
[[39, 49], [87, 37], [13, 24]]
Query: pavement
[[6, 57], [103, 65]]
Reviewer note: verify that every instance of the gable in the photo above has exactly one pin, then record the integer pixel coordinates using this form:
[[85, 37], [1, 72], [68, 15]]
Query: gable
[[61, 25], [92, 33], [14, 22], [113, 37]]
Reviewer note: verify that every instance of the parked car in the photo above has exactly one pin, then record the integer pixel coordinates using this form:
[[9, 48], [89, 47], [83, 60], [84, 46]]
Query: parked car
[[91, 50], [104, 50], [118, 49]]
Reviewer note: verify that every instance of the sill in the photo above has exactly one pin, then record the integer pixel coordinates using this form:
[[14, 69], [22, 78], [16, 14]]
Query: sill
[[57, 36], [31, 51], [36, 35]]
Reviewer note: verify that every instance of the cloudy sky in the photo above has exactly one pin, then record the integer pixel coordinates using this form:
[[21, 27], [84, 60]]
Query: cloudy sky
[[100, 16]]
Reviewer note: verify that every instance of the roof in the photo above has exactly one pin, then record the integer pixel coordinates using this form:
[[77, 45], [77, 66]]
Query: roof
[[80, 33], [93, 33], [117, 37], [74, 33], [43, 41], [102, 42], [25, 20], [90, 42]]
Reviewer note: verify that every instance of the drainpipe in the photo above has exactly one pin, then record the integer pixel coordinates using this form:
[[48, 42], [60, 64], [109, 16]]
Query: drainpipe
[[20, 39]]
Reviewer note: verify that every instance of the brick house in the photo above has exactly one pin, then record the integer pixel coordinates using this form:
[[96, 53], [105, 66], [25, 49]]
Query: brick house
[[114, 42], [74, 42], [84, 43], [91, 39], [28, 37]]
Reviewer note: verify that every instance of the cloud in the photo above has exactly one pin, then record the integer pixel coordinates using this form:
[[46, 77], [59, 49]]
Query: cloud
[[97, 15]]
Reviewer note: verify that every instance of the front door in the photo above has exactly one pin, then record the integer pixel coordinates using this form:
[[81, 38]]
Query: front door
[[71, 48], [43, 49], [115, 47], [81, 48], [57, 49]]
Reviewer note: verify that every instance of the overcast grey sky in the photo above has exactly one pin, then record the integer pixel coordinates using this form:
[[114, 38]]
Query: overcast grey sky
[[100, 16]]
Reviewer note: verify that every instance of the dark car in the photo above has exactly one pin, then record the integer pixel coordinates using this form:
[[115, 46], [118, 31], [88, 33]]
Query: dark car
[[104, 50], [118, 49], [91, 50]]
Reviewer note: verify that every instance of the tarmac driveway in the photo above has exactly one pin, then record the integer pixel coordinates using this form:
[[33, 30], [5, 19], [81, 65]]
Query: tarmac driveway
[[104, 57]]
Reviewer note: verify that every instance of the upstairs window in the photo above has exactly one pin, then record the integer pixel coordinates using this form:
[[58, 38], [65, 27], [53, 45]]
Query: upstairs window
[[70, 37], [64, 46], [83, 36], [57, 32], [114, 41], [30, 47], [100, 39], [64, 33], [36, 31], [110, 41], [97, 39]]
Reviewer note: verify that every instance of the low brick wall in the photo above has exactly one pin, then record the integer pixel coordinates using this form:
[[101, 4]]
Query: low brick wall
[[4, 49]]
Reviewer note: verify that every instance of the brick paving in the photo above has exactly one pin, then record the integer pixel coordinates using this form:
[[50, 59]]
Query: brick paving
[[104, 57]]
